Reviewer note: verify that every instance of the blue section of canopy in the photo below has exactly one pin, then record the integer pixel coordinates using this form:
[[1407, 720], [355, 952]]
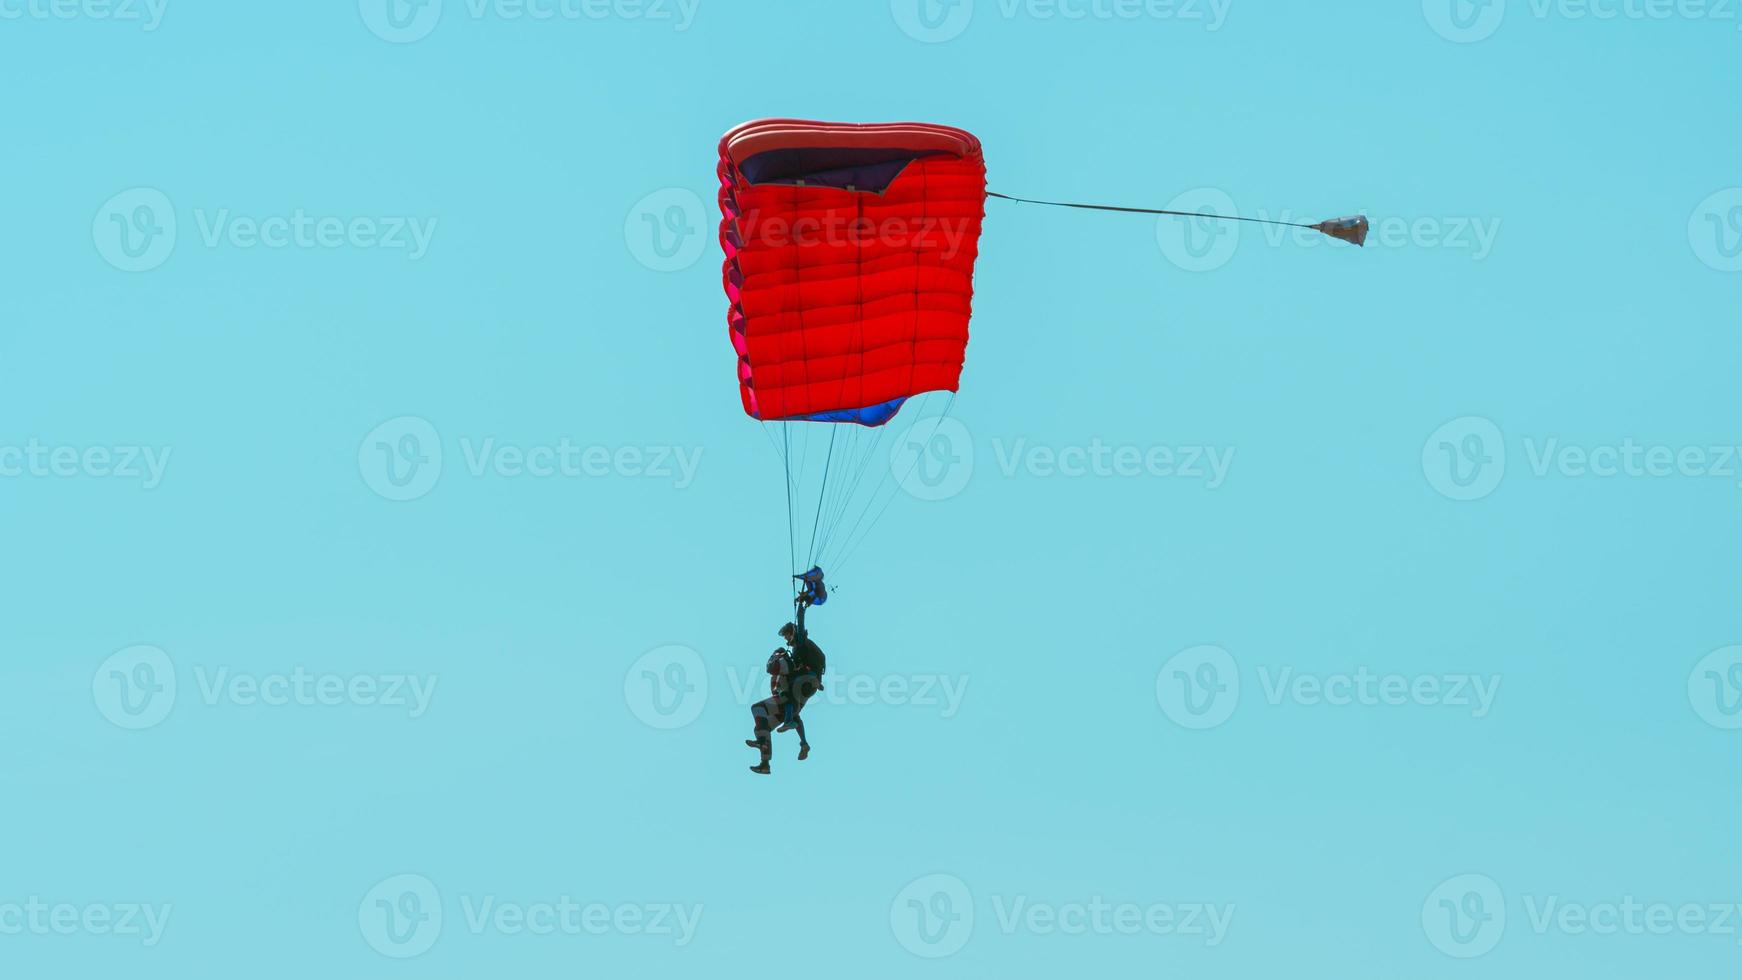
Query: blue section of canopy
[[873, 415]]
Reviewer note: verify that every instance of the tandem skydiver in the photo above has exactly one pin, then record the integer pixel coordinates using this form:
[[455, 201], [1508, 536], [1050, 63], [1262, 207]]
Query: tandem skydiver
[[795, 675], [765, 713]]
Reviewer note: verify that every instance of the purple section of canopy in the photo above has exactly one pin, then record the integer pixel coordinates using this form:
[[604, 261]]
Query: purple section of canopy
[[864, 169]]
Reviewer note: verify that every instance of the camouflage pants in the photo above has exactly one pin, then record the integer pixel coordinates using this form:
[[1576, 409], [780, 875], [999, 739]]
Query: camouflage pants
[[764, 715]]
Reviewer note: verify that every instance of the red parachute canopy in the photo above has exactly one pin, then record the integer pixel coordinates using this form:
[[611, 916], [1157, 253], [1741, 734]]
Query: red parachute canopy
[[850, 255]]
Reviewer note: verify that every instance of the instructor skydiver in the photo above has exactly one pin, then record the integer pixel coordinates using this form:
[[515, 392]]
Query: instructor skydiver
[[808, 667]]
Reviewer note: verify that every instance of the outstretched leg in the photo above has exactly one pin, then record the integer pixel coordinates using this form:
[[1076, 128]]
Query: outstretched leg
[[762, 717], [803, 687]]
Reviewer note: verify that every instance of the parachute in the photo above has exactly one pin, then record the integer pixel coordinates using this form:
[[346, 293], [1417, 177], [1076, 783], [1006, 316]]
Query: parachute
[[849, 268], [849, 273]]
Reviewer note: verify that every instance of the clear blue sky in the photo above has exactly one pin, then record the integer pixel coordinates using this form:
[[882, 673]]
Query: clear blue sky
[[239, 238]]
